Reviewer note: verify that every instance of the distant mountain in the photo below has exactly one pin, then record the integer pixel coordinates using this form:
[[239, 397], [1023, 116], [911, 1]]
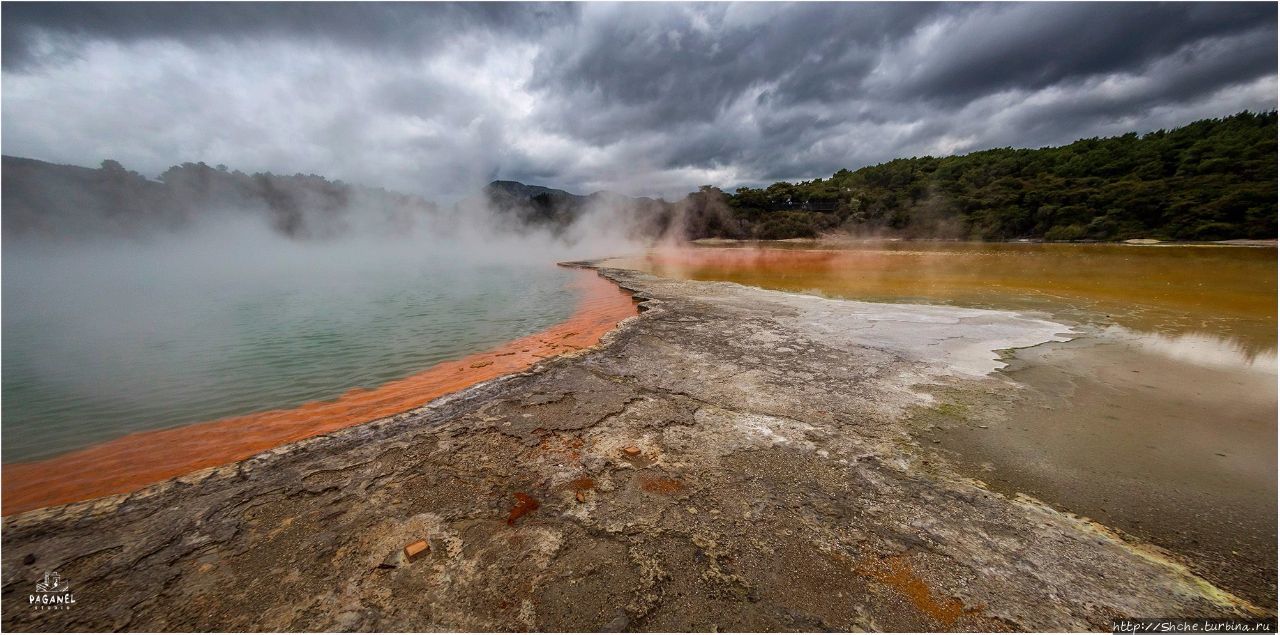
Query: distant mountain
[[70, 202], [53, 199], [538, 206], [67, 201], [516, 189], [1209, 180], [534, 204]]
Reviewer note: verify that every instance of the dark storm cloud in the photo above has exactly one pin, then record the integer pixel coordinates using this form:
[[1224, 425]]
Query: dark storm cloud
[[1033, 46], [643, 98], [665, 66], [378, 26]]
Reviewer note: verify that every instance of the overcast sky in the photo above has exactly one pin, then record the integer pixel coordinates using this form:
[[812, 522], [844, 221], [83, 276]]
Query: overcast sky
[[644, 99]]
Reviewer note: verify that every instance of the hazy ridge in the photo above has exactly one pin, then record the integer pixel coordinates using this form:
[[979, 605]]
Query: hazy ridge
[[1210, 180]]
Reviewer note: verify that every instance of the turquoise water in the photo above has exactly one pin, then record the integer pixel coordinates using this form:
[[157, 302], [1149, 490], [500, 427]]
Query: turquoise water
[[102, 341]]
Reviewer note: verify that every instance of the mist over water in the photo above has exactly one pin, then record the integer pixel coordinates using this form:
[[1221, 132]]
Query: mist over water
[[114, 335]]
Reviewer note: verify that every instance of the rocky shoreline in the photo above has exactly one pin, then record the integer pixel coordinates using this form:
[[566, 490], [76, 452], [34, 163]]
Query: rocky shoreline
[[731, 459]]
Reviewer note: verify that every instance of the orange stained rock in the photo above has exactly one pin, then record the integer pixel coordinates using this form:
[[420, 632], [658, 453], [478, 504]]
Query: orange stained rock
[[582, 483], [134, 461], [524, 505], [660, 485], [896, 573]]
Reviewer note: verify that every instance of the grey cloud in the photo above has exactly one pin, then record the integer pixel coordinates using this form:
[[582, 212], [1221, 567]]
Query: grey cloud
[[655, 66], [385, 27], [1029, 47], [437, 99]]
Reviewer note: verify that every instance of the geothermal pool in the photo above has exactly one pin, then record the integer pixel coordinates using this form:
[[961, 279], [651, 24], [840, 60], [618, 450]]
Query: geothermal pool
[[1158, 418], [129, 364], [90, 359]]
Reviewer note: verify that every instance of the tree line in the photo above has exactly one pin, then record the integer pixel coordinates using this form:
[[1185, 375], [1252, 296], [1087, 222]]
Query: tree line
[[67, 201], [1209, 180]]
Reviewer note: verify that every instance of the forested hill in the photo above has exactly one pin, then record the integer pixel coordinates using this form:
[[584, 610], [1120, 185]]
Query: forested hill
[[1210, 180], [67, 201]]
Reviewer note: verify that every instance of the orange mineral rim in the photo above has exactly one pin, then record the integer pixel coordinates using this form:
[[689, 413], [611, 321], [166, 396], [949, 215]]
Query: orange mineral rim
[[131, 462]]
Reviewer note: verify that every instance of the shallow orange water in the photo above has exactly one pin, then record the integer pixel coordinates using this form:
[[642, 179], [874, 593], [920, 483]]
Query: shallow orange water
[[136, 460], [1226, 292]]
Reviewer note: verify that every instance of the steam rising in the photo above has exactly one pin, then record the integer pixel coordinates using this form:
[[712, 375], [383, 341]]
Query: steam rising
[[132, 303]]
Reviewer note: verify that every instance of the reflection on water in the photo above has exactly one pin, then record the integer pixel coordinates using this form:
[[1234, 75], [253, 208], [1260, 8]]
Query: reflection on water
[[1201, 349]]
